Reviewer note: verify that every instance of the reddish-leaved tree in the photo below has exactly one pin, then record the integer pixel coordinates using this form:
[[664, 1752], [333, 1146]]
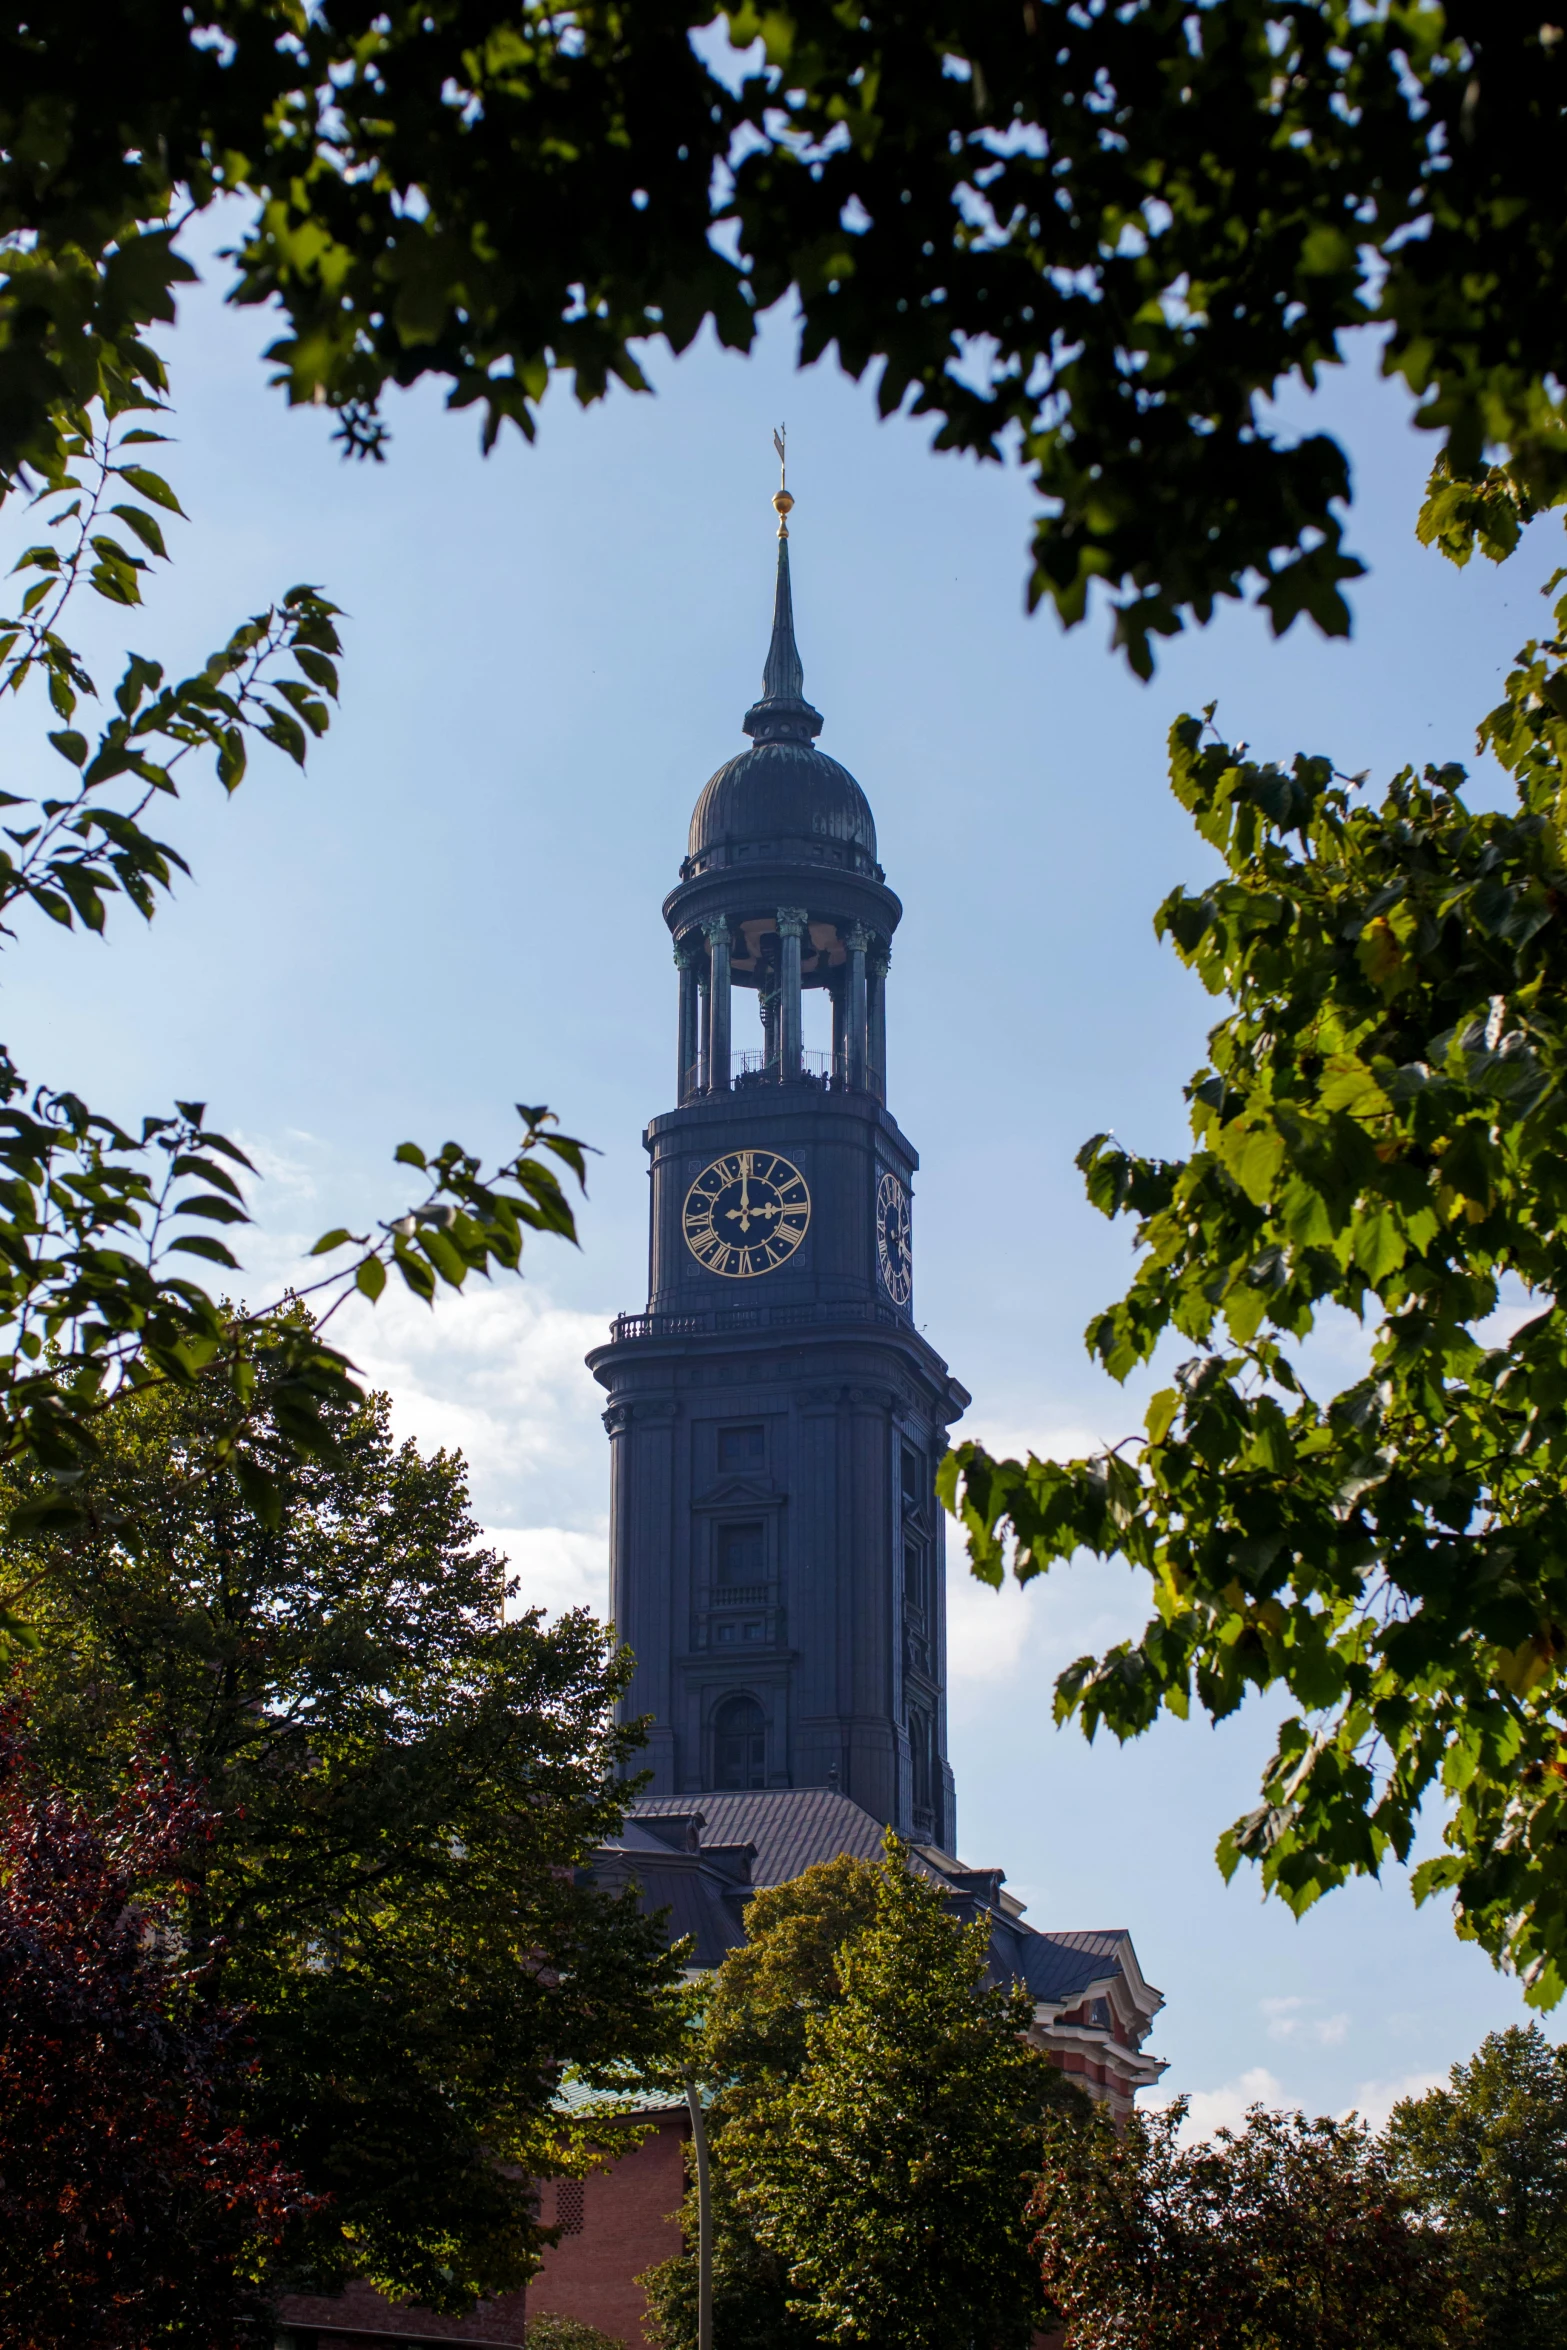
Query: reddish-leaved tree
[[1287, 2234], [131, 2212]]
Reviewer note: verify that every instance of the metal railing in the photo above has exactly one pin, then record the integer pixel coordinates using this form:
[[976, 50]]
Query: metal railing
[[820, 1071], [725, 1318]]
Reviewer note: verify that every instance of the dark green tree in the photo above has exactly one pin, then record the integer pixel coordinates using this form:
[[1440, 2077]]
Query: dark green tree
[[1485, 2159], [1381, 1127], [752, 2044], [405, 1781], [1286, 2235], [1115, 234], [890, 2174]]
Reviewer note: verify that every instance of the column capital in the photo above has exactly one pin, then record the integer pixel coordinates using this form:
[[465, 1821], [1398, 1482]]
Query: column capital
[[879, 959], [685, 954], [856, 938], [793, 921], [716, 929]]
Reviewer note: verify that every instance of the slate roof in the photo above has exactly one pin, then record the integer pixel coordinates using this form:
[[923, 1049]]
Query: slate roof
[[701, 1857], [790, 1827]]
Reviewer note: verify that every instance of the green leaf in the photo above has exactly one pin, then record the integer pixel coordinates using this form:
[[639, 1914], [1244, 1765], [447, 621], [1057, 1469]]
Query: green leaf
[[202, 1244], [1160, 1414], [146, 529], [370, 1279], [151, 486]]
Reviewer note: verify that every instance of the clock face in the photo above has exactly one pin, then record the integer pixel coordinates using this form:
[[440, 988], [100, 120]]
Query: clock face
[[746, 1213], [894, 1239]]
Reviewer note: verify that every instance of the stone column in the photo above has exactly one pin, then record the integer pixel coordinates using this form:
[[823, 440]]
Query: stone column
[[791, 929], [687, 1046], [704, 1024], [767, 1005], [718, 1011], [840, 1056], [876, 966], [857, 940]]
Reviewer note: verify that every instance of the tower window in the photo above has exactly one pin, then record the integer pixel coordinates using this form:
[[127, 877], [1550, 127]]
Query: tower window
[[915, 1578], [920, 1745], [741, 1448], [913, 1477], [570, 2207], [741, 1556], [739, 1744]]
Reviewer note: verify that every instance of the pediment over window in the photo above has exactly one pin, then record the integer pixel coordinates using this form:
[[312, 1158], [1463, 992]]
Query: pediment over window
[[739, 1493]]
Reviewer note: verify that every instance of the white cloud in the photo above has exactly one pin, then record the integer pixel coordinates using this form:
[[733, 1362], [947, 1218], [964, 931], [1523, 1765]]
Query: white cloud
[[498, 1374], [1290, 2019], [555, 1567], [1225, 2108], [1375, 2100]]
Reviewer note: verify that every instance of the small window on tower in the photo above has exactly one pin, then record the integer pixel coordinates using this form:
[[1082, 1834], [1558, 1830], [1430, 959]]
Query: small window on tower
[[913, 1477], [915, 1579], [741, 1448], [740, 1556], [570, 2207]]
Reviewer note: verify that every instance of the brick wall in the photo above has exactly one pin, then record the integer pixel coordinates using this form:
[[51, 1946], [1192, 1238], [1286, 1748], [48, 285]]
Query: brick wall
[[621, 2221]]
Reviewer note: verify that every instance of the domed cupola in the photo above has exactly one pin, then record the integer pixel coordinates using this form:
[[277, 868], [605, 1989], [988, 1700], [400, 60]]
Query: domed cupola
[[782, 801]]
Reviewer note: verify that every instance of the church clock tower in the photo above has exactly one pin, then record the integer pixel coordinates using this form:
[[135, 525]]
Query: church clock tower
[[775, 1416]]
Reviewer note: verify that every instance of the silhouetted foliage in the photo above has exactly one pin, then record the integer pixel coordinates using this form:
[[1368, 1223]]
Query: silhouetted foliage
[[404, 1786], [1486, 2160], [132, 2208], [1288, 2234]]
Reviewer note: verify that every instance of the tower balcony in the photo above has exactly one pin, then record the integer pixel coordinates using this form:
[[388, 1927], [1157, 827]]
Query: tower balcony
[[821, 1072]]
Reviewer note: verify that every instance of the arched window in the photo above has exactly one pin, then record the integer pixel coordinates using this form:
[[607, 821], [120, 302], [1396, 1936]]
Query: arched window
[[739, 1744]]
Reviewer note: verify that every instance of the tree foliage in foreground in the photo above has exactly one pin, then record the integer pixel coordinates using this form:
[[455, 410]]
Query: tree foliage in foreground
[[1288, 2234], [1381, 1129], [1485, 2160], [1115, 233], [403, 1789], [889, 2173], [103, 1228], [131, 2209], [753, 2047]]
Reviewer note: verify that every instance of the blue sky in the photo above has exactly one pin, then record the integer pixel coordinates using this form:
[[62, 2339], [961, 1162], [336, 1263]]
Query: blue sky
[[458, 907]]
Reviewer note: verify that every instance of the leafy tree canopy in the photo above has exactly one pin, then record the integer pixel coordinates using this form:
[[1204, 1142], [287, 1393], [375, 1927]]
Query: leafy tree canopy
[[1107, 237], [752, 2043], [131, 2213], [1486, 2160], [1381, 1128], [1286, 2235], [404, 1785], [889, 2172]]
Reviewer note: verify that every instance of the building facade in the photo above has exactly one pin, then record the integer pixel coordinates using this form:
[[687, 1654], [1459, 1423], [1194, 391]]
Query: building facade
[[775, 1415]]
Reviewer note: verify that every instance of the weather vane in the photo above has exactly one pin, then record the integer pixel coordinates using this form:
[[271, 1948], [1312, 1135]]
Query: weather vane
[[783, 504]]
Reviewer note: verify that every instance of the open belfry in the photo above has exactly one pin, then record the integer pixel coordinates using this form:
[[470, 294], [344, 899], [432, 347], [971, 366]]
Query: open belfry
[[775, 1418]]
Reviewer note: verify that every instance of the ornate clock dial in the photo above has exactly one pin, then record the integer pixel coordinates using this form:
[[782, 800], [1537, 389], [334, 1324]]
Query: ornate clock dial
[[894, 1239], [746, 1213]]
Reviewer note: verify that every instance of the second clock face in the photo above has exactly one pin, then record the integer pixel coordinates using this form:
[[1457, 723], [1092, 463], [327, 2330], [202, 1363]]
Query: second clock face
[[746, 1213], [894, 1239]]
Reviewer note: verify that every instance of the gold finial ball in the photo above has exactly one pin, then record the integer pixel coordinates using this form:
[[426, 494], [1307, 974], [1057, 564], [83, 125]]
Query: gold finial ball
[[782, 502]]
